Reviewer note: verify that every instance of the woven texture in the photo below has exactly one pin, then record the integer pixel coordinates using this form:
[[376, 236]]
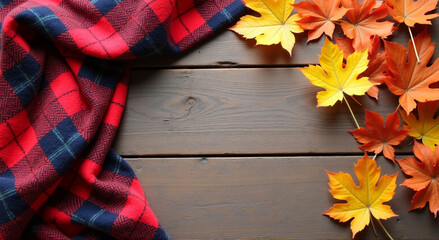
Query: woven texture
[[63, 87]]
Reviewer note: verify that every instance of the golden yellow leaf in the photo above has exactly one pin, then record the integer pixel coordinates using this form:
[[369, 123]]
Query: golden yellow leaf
[[275, 25], [336, 79], [362, 200], [426, 125]]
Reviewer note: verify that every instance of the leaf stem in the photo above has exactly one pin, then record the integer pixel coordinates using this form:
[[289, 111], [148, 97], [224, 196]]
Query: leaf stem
[[397, 107], [373, 227], [414, 46], [385, 230], [350, 110], [355, 100], [376, 154]]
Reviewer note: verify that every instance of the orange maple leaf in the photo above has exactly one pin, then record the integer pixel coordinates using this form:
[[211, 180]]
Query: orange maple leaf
[[363, 22], [425, 177], [345, 44], [377, 61], [362, 201], [319, 17], [411, 80], [380, 138], [411, 12]]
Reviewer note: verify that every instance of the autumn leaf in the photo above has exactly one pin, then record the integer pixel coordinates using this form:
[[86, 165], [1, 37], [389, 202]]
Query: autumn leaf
[[275, 25], [363, 200], [319, 16], [425, 126], [363, 22], [425, 177], [411, 80], [336, 79], [377, 61], [345, 44], [411, 12], [377, 66], [379, 137]]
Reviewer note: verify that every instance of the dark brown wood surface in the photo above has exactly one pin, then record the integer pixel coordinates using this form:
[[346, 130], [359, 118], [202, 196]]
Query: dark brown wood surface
[[263, 197], [235, 111], [227, 49], [228, 144]]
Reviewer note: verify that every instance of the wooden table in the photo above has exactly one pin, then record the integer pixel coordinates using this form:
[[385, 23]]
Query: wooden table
[[228, 143]]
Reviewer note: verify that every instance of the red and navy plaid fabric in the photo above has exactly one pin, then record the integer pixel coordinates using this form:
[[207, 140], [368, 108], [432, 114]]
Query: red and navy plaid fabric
[[63, 86]]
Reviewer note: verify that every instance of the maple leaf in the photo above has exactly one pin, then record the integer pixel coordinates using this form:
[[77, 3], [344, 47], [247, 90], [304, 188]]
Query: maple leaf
[[425, 127], [411, 12], [275, 25], [336, 79], [411, 80], [318, 16], [380, 138], [364, 200], [425, 177], [345, 44], [363, 22], [377, 61]]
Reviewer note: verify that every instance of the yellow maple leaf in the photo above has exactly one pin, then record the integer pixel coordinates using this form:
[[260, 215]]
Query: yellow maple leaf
[[276, 24], [335, 78], [425, 126], [364, 200]]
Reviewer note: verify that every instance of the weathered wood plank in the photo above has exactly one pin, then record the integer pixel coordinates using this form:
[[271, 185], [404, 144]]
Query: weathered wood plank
[[235, 111], [281, 197], [229, 49]]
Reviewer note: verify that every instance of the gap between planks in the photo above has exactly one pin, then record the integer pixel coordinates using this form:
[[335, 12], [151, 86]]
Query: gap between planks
[[221, 65], [257, 155]]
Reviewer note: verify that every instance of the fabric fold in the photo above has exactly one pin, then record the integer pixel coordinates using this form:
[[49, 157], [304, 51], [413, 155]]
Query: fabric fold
[[63, 86]]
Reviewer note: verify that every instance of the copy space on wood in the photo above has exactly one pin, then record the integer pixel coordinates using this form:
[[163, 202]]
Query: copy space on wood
[[263, 197], [237, 111]]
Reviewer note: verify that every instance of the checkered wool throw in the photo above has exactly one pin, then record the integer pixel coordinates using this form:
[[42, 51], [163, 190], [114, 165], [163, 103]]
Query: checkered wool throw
[[63, 85]]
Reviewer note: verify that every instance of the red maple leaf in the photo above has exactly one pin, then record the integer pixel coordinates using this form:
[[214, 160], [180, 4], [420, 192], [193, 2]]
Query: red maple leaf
[[425, 177], [380, 138]]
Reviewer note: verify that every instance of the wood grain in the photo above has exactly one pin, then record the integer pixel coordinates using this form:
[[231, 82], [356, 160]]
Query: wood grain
[[236, 111], [228, 49], [228, 97], [266, 197]]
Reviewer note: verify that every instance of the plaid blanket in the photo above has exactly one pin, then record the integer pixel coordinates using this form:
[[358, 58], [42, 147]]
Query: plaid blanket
[[63, 86]]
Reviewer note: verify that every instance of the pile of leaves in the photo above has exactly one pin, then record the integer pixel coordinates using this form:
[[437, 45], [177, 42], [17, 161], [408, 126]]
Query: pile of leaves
[[356, 65]]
